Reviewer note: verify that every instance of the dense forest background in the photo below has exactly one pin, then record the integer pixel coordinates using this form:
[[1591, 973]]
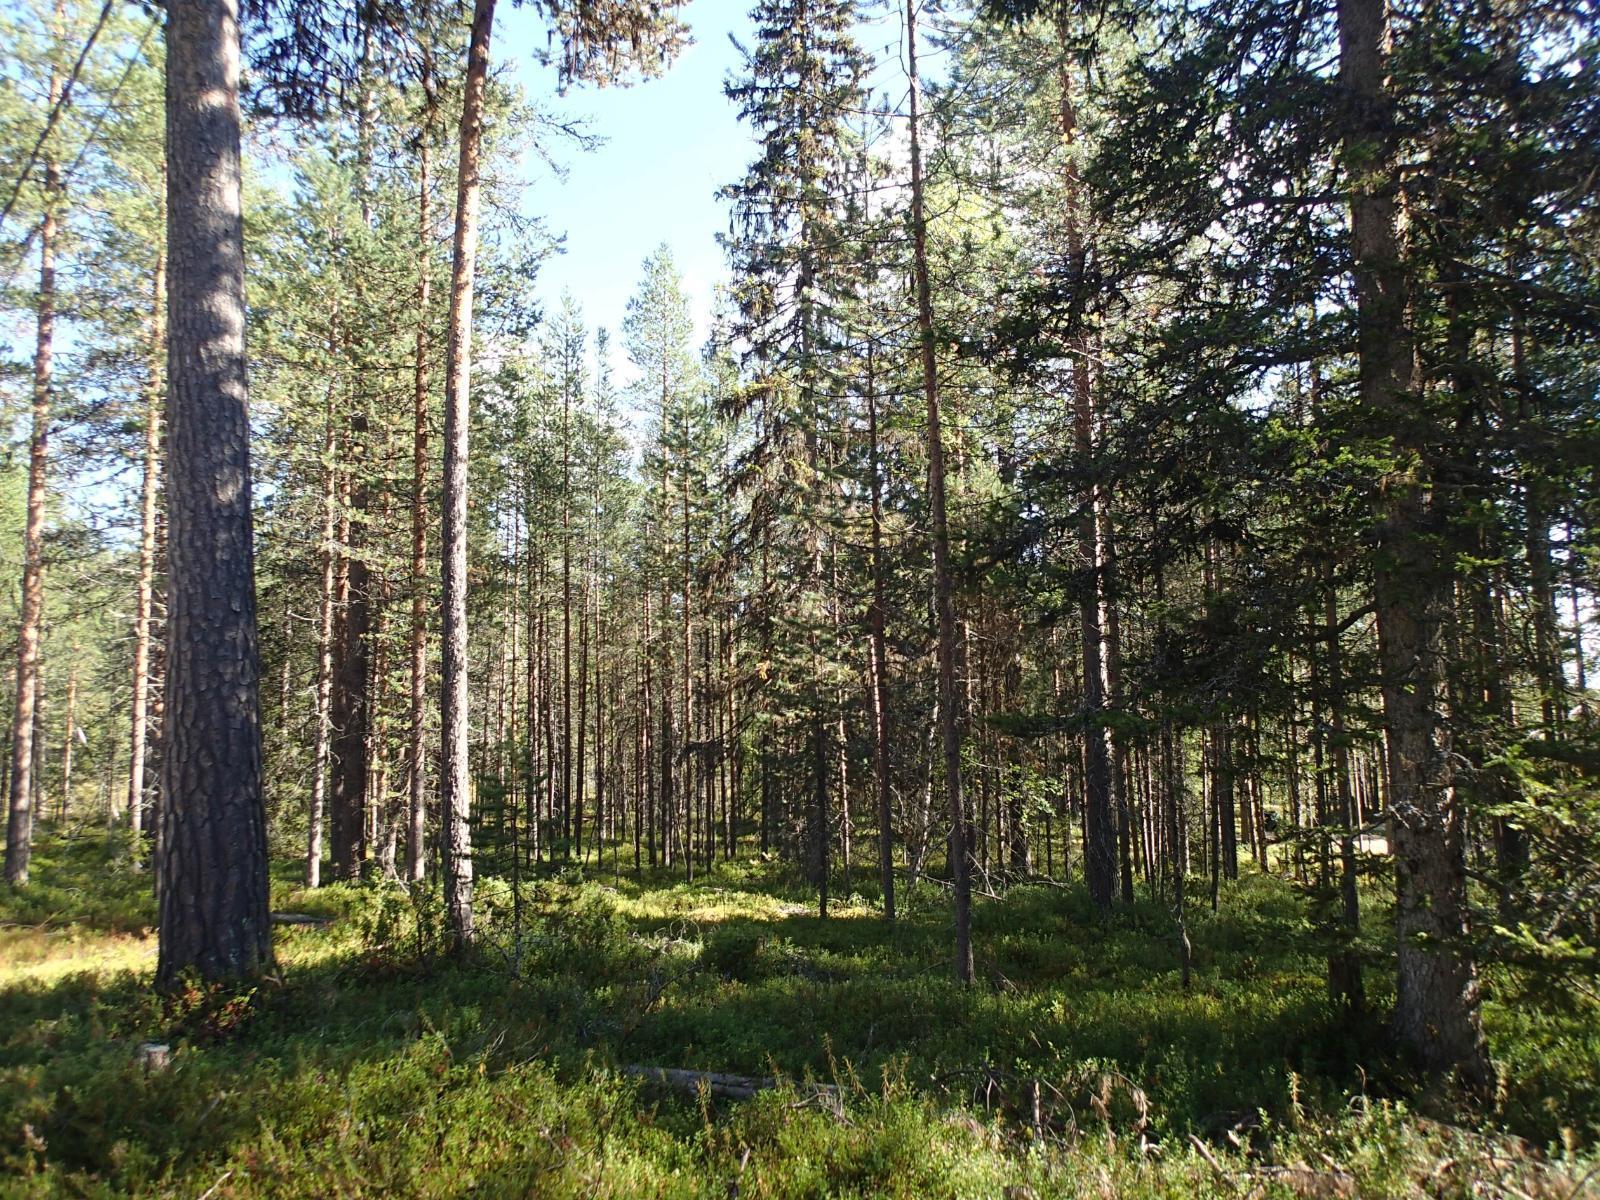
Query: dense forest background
[[1154, 452]]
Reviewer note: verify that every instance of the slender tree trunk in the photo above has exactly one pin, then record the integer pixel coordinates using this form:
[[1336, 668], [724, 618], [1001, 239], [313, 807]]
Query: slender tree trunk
[[1437, 1000], [601, 831], [213, 905], [456, 782], [325, 631], [349, 710], [566, 617], [144, 597], [19, 819], [1344, 964], [66, 741], [689, 776], [417, 746], [1580, 677], [1172, 785], [647, 732], [879, 657], [943, 586], [581, 765], [1100, 845], [1110, 622]]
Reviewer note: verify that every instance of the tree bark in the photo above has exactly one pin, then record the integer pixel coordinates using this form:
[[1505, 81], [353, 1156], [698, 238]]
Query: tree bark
[[1437, 1000], [144, 598], [325, 614], [566, 604], [879, 654], [943, 586], [350, 709], [1100, 836], [19, 816], [66, 740], [416, 754], [456, 780], [213, 905]]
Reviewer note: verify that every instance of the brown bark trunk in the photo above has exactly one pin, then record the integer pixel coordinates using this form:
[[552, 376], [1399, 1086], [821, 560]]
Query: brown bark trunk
[[19, 817], [580, 738], [213, 905], [66, 740], [349, 710], [325, 631], [1437, 1000], [879, 658], [456, 782], [416, 750], [943, 585], [1100, 864], [1344, 964], [687, 740], [144, 598], [566, 614]]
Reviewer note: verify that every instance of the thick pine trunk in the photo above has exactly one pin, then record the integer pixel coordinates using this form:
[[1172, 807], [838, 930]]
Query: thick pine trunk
[[1437, 1000], [456, 781], [213, 905]]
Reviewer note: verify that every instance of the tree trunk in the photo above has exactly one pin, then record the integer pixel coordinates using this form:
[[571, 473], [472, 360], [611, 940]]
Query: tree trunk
[[349, 710], [66, 740], [943, 586], [687, 721], [879, 658], [325, 613], [456, 783], [566, 614], [144, 598], [1437, 1000], [214, 884], [19, 817], [416, 751], [1344, 963], [1100, 845]]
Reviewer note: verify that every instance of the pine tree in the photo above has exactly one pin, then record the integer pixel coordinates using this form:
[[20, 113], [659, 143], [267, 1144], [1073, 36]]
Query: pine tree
[[804, 79], [214, 853]]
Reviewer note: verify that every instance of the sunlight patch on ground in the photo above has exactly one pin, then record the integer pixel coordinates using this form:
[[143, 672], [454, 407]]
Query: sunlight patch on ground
[[46, 955]]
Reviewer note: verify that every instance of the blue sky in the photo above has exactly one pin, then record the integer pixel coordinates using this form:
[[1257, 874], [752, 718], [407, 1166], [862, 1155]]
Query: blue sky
[[669, 144]]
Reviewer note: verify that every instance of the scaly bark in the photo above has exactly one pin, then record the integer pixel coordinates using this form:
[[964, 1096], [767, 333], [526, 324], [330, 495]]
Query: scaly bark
[[943, 585], [416, 749], [213, 905], [1437, 998], [326, 602], [456, 783], [144, 597], [19, 815], [879, 654], [1100, 863]]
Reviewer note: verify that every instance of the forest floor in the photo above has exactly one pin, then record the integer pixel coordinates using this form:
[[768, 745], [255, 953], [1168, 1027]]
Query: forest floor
[[1077, 1065]]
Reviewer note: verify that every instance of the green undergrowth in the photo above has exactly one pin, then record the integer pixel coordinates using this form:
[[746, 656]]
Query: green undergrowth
[[1078, 1065]]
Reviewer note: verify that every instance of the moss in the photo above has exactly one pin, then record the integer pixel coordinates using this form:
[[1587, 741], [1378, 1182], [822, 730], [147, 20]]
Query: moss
[[378, 1067]]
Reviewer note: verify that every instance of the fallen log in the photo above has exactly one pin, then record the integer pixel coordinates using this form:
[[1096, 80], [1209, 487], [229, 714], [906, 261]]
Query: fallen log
[[721, 1085]]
